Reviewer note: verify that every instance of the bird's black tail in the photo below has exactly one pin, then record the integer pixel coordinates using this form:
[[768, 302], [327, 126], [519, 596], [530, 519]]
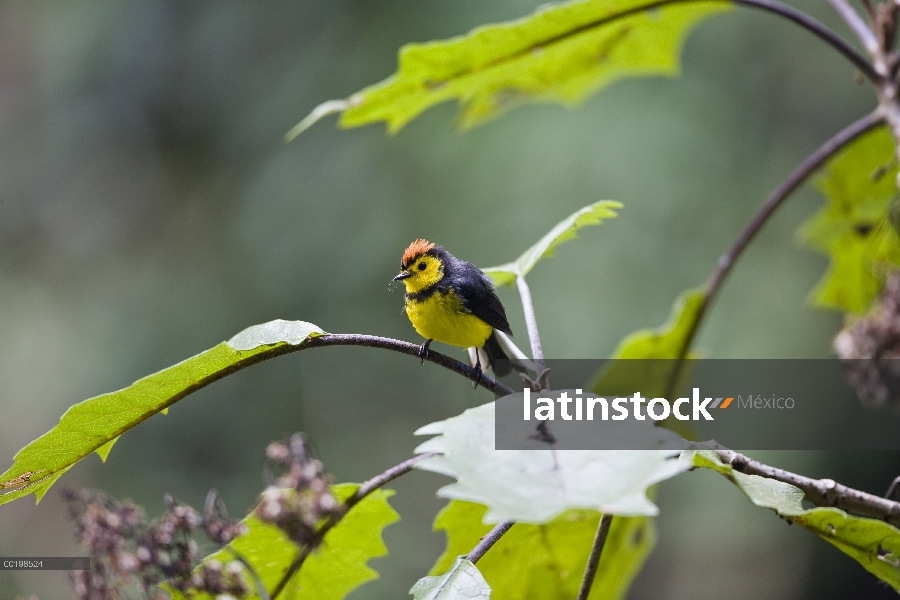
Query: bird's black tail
[[495, 353]]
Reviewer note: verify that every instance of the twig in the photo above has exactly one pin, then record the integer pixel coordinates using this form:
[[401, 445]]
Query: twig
[[489, 540], [373, 341], [775, 199], [590, 570], [364, 490], [537, 352], [857, 25], [821, 492]]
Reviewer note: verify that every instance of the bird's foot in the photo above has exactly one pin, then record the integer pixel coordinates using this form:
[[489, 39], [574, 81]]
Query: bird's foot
[[423, 351], [478, 372]]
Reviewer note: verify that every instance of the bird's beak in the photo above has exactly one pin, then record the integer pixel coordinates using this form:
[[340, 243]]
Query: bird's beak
[[402, 275]]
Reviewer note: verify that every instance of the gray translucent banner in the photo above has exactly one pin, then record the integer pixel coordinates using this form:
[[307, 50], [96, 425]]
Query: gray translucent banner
[[767, 404]]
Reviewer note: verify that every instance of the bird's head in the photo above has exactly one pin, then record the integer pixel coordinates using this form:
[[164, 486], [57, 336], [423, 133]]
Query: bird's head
[[421, 266]]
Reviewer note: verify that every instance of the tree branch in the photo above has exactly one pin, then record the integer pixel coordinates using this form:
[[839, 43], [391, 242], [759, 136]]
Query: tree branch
[[775, 199], [372, 341], [489, 540], [364, 490], [590, 570], [821, 492]]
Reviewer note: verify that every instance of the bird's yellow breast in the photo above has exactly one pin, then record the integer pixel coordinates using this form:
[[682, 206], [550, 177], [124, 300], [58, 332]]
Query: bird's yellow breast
[[443, 318]]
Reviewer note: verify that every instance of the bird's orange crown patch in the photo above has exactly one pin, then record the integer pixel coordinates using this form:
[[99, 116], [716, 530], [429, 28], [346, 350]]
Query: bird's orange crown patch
[[415, 250]]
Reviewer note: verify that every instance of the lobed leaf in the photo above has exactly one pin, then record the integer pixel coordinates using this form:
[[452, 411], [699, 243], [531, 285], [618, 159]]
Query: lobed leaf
[[560, 53], [854, 229], [534, 486], [536, 562], [462, 581], [565, 230], [95, 424], [872, 543], [329, 573]]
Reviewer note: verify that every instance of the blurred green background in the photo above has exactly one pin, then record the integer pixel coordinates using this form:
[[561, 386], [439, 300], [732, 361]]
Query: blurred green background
[[149, 210]]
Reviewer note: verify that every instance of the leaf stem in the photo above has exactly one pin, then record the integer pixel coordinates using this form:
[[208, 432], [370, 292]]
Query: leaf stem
[[489, 540], [364, 490], [590, 570], [537, 352], [775, 199]]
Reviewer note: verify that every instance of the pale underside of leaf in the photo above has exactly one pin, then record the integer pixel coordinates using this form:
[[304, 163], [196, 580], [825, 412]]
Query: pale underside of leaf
[[565, 230], [536, 562], [874, 544], [329, 573], [534, 486], [95, 424], [462, 582], [561, 53]]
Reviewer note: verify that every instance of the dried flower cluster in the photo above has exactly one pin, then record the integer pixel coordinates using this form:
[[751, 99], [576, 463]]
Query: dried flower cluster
[[127, 552], [870, 348], [300, 498]]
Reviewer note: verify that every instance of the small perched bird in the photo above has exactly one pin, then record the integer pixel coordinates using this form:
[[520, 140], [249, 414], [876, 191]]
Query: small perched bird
[[452, 301]]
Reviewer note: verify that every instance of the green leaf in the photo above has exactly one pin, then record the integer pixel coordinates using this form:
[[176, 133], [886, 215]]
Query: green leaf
[[657, 377], [329, 573], [872, 543], [853, 228], [560, 53], [669, 340], [565, 230], [462, 582], [95, 424], [541, 562], [534, 486]]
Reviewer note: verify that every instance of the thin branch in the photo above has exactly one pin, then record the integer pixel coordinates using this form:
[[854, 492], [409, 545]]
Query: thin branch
[[817, 29], [373, 341], [590, 570], [857, 25], [489, 540], [821, 492], [364, 490], [775, 199], [537, 352]]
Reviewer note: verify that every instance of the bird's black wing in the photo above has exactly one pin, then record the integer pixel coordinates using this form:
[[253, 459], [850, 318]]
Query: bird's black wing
[[478, 296]]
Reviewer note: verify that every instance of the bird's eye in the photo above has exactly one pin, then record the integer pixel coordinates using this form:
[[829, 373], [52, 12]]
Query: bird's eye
[[423, 265]]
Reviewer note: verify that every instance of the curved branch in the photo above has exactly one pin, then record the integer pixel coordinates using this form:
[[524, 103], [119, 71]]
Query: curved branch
[[374, 341], [364, 490], [828, 36], [777, 8], [775, 199]]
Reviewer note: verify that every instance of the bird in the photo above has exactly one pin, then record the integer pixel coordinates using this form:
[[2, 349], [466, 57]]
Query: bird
[[452, 301]]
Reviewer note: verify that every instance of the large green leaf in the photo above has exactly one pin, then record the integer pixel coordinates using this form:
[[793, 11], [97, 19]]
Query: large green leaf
[[95, 424], [462, 581], [565, 230], [560, 53], [546, 562], [329, 573], [534, 486], [853, 228], [873, 543]]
